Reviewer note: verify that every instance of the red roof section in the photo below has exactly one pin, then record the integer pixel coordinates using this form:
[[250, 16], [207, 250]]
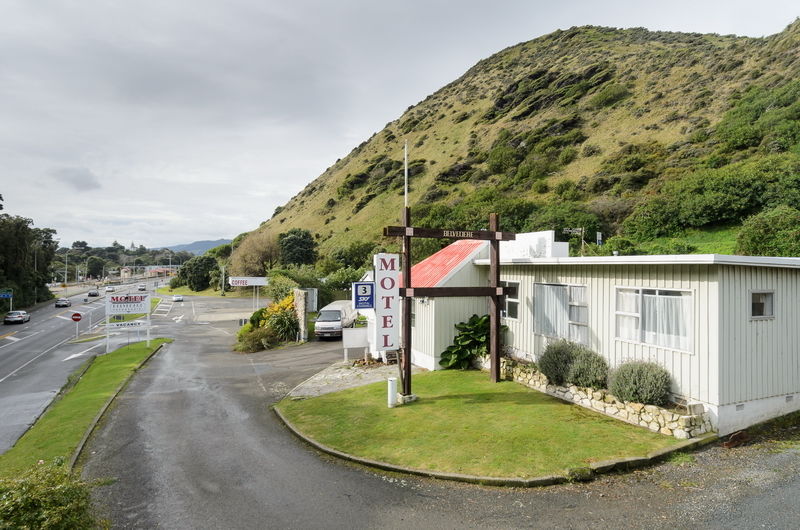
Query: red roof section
[[436, 267]]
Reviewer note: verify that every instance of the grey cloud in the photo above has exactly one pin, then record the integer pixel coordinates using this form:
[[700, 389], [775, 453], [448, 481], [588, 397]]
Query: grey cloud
[[78, 178]]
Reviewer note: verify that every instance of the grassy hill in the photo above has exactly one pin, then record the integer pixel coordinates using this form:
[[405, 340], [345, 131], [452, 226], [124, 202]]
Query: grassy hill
[[630, 132]]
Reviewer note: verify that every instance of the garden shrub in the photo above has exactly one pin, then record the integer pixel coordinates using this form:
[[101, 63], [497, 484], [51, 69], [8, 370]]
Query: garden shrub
[[556, 361], [257, 340], [46, 496], [280, 287], [471, 341], [641, 382], [588, 369]]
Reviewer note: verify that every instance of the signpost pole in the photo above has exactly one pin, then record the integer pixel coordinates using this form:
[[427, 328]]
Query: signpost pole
[[407, 300], [108, 328], [77, 323], [494, 300]]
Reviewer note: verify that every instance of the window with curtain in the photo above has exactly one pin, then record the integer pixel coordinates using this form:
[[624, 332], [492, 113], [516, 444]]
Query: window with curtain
[[561, 311], [659, 317], [511, 306]]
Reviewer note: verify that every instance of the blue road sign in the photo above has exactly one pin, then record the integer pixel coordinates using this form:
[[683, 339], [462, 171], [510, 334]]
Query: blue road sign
[[363, 295], [6, 295]]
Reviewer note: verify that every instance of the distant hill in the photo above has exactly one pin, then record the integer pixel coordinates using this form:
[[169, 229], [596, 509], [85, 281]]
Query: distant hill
[[634, 133], [198, 247]]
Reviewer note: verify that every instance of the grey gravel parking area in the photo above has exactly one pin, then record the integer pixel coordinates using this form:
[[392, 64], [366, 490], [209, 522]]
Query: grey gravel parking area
[[344, 375]]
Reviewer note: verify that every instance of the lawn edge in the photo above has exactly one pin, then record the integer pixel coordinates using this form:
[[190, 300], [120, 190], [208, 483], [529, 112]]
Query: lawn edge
[[589, 472], [90, 429]]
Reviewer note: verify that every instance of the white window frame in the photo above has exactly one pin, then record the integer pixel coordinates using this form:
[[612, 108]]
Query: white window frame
[[570, 303], [508, 298], [750, 304], [413, 312], [638, 316]]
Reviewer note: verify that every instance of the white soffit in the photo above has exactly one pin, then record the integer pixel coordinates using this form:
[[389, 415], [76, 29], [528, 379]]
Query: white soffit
[[676, 259]]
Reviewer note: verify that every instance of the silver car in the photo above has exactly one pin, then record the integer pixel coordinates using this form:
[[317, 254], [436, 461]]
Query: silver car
[[16, 317]]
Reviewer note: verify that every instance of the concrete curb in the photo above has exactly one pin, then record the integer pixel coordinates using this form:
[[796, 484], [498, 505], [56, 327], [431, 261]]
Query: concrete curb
[[79, 449], [578, 474]]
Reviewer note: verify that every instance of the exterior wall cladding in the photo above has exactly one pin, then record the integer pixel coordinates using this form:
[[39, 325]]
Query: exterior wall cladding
[[744, 370]]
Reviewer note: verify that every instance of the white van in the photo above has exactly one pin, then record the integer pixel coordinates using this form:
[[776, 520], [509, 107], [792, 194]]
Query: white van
[[333, 317]]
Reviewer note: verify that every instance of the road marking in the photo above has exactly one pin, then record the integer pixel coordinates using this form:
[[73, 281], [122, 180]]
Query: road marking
[[29, 362], [177, 319], [74, 355], [63, 318], [13, 339], [7, 335]]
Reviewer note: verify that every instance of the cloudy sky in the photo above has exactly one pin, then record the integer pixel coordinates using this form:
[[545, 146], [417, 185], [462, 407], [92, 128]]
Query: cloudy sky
[[162, 122]]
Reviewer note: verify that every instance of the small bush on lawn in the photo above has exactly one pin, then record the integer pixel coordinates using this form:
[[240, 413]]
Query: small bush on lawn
[[471, 341], [46, 496], [588, 369], [557, 360], [641, 382]]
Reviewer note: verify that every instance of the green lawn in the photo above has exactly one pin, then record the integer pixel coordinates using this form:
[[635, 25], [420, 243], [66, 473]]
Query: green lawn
[[717, 240], [245, 292], [58, 432], [463, 423]]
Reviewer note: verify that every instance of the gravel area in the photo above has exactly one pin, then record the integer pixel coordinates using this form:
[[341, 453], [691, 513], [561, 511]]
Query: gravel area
[[347, 375]]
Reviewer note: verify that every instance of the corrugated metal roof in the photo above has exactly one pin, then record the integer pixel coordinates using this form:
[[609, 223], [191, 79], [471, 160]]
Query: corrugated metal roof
[[437, 267], [672, 259]]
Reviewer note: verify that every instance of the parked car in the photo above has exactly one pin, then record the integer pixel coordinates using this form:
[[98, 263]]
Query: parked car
[[93, 292], [63, 302], [333, 317], [177, 298], [142, 287], [16, 317], [109, 288]]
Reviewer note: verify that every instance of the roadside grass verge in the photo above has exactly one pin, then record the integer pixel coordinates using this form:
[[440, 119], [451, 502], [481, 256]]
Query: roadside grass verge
[[57, 433], [463, 423], [184, 290]]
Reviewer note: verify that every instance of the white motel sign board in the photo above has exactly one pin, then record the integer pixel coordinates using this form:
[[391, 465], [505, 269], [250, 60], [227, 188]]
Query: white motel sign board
[[387, 302], [128, 304]]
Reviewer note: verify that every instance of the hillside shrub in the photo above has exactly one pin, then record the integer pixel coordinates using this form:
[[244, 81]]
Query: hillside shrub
[[641, 382], [609, 95], [588, 369], [773, 232], [557, 359], [46, 496]]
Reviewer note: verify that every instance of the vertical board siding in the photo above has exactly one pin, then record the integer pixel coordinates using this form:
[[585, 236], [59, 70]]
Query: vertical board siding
[[759, 358], [694, 374]]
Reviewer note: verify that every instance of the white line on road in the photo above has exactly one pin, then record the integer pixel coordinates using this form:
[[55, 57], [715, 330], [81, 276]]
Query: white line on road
[[29, 362], [63, 317], [177, 319], [84, 351], [13, 339], [17, 339]]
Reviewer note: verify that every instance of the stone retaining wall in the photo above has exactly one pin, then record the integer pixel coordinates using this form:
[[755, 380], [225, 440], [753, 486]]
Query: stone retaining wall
[[654, 418]]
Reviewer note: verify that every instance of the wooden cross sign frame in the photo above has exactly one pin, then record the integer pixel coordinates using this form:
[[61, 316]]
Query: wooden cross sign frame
[[495, 291]]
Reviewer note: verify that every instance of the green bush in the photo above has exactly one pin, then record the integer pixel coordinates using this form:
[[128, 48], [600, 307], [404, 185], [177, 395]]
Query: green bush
[[257, 340], [470, 342], [46, 496], [244, 330], [588, 369], [284, 325], [773, 232], [556, 361], [280, 287], [641, 382], [257, 317], [175, 282]]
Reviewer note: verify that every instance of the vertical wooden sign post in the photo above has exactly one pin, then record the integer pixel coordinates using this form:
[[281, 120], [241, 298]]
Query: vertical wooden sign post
[[495, 292]]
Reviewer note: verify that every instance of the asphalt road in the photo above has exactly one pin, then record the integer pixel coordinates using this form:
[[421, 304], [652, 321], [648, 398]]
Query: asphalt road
[[37, 357], [192, 444], [35, 360]]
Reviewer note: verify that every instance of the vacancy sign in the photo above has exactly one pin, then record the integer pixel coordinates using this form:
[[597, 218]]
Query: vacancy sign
[[387, 301], [247, 281], [128, 304]]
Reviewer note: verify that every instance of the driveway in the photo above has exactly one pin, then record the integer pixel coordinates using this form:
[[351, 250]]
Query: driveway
[[192, 444]]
